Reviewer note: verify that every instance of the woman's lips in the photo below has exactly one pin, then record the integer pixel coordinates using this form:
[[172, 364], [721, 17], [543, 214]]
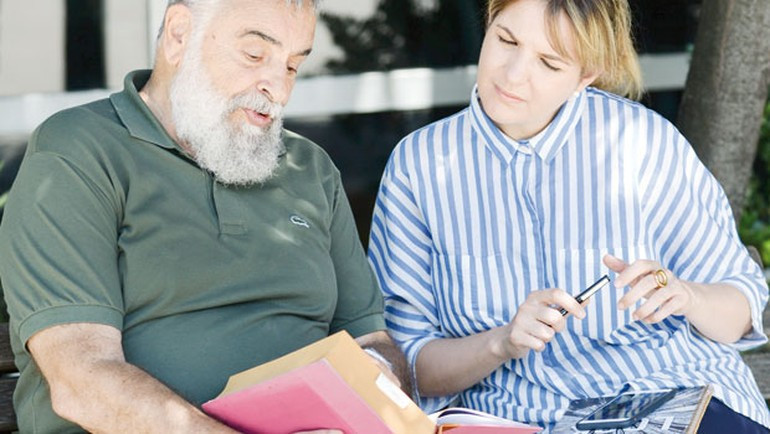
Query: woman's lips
[[509, 96]]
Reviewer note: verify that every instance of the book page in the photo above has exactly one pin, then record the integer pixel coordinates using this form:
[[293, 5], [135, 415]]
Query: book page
[[466, 416]]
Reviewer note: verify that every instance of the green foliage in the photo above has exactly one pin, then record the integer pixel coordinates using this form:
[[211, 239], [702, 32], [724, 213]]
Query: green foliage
[[754, 227]]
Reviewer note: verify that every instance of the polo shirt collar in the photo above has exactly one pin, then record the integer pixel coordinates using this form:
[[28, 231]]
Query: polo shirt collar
[[139, 120], [545, 144]]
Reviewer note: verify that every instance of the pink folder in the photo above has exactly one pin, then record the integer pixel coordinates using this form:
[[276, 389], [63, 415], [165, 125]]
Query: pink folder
[[311, 397]]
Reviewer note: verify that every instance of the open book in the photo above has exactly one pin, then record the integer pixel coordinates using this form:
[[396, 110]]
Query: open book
[[456, 420]]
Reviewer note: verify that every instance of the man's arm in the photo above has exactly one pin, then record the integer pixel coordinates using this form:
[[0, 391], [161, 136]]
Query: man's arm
[[93, 386], [385, 347]]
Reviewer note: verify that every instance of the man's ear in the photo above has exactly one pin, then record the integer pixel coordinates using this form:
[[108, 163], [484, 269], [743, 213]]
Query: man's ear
[[177, 26]]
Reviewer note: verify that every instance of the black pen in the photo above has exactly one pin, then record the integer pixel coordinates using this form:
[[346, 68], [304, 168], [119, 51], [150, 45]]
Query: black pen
[[585, 295]]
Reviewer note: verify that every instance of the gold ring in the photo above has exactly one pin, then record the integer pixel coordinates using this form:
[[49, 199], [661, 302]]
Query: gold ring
[[660, 278]]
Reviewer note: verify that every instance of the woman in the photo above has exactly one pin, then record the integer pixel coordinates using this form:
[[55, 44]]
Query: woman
[[490, 221]]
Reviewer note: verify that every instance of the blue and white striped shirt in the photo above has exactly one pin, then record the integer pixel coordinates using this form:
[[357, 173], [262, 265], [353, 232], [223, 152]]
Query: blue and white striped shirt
[[468, 222]]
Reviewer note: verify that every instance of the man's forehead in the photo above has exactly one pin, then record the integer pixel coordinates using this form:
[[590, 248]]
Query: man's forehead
[[298, 3], [290, 10], [277, 22]]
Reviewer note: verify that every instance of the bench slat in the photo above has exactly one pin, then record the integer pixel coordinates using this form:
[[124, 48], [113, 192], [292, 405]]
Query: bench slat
[[7, 415], [7, 382], [759, 363], [6, 353]]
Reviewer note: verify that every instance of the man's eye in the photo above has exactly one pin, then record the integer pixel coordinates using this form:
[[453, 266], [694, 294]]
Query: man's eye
[[252, 57]]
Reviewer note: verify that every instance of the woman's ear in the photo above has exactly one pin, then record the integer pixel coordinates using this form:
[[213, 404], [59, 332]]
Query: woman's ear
[[177, 27], [586, 80]]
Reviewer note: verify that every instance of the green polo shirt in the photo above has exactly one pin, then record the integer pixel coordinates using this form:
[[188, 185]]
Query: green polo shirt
[[109, 222]]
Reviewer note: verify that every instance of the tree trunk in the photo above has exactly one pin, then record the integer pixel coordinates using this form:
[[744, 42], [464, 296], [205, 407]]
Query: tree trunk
[[726, 90]]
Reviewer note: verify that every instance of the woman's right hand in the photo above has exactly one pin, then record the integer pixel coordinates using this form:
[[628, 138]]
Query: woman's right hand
[[535, 324], [451, 365]]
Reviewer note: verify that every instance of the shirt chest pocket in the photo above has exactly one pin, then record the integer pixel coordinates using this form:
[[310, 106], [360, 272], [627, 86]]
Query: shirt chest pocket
[[576, 269], [473, 292]]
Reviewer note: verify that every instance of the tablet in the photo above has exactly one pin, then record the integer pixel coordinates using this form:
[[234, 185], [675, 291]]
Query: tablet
[[626, 409]]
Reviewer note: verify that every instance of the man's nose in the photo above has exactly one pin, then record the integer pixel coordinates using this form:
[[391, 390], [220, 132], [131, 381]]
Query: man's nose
[[275, 82]]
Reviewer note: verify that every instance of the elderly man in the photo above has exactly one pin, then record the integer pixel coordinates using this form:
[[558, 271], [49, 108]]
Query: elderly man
[[161, 240]]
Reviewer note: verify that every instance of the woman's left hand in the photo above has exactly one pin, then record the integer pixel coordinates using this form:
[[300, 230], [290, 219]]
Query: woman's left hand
[[665, 294]]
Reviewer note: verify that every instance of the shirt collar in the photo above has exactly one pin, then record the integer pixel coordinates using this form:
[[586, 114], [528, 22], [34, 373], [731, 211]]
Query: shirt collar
[[545, 144], [139, 120]]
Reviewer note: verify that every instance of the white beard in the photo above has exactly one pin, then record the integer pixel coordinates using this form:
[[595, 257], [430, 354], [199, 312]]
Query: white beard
[[236, 154]]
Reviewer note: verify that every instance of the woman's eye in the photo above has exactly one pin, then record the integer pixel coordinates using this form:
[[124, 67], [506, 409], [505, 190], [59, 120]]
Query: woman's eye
[[507, 41], [253, 57], [549, 66]]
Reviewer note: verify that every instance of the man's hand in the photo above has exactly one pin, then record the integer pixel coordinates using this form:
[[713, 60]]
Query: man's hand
[[535, 324]]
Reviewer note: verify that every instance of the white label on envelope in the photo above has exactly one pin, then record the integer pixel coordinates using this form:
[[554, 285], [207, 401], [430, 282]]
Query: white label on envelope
[[389, 388]]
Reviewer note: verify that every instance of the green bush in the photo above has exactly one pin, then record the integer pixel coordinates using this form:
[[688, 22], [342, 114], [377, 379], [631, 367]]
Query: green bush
[[754, 227]]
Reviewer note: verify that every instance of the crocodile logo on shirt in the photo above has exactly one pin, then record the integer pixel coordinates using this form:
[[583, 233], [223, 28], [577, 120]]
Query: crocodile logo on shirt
[[299, 221]]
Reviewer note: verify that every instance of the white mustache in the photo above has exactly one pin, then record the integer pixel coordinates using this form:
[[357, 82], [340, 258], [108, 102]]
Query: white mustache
[[254, 100]]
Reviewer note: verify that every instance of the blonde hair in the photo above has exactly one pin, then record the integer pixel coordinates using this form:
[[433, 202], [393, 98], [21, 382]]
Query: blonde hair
[[602, 30]]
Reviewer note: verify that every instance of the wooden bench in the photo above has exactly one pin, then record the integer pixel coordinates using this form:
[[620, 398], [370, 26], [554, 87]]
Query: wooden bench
[[8, 377], [759, 359], [759, 362]]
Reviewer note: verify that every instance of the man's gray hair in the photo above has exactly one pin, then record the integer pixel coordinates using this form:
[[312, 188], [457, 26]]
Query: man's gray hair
[[205, 7], [193, 3]]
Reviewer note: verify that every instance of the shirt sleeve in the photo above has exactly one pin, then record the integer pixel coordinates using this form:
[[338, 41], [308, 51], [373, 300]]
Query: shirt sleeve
[[400, 254], [692, 223], [58, 254], [359, 301]]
